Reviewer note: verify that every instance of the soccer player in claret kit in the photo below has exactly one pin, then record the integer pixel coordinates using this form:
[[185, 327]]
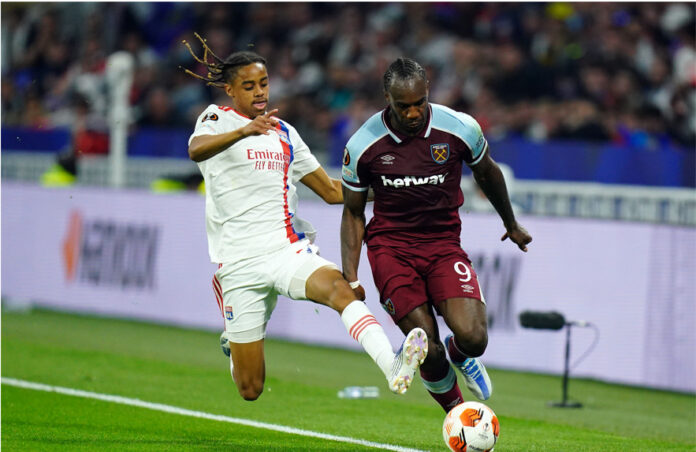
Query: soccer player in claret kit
[[249, 160], [411, 154]]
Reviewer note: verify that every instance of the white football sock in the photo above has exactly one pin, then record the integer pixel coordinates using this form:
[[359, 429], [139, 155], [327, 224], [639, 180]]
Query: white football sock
[[365, 329]]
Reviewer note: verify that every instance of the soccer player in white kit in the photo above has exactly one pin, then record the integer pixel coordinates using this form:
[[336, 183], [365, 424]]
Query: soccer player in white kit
[[249, 159]]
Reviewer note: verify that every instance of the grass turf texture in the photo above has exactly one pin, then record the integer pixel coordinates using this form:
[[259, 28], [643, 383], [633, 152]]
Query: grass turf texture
[[185, 368]]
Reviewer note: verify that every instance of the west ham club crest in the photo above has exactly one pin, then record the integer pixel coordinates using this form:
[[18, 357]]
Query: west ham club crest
[[439, 152], [388, 306]]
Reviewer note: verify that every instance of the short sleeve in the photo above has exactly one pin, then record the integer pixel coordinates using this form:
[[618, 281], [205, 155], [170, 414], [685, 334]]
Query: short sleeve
[[304, 161], [208, 123], [349, 171], [355, 173], [472, 135]]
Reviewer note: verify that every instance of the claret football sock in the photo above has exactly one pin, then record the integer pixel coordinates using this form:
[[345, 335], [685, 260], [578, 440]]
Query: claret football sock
[[443, 387], [455, 353]]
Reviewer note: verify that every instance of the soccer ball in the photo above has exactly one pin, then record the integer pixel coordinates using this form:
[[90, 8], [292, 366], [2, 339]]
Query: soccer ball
[[471, 427]]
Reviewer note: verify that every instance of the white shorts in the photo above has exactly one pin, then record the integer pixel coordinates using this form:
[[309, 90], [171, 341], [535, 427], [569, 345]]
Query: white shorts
[[247, 290]]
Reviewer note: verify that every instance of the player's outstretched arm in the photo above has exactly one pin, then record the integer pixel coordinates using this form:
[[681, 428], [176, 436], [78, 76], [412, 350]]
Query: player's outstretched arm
[[352, 233], [489, 177], [328, 189], [204, 147]]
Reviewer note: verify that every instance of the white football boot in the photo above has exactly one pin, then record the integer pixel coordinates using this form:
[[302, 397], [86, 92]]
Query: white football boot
[[225, 344], [407, 360]]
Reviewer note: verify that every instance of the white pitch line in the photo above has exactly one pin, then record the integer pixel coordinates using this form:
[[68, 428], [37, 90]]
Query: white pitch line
[[199, 414]]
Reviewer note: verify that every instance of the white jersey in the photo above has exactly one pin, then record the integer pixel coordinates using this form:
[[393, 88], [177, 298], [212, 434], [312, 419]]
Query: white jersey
[[249, 193]]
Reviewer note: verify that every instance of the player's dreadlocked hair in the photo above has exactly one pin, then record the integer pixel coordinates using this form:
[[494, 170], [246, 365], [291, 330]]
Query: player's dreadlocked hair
[[221, 72], [402, 68]]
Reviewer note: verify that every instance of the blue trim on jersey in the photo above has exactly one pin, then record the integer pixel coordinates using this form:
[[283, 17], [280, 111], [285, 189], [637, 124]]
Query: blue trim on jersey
[[371, 131], [285, 129], [462, 126]]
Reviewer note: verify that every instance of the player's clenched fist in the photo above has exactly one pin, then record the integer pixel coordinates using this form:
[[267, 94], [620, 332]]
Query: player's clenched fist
[[261, 124]]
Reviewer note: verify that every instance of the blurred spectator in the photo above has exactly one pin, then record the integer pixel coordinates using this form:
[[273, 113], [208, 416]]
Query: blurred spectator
[[34, 114], [581, 121], [620, 72], [89, 129], [159, 111]]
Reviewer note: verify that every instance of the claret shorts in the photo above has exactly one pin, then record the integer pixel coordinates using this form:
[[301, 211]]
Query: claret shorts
[[409, 276]]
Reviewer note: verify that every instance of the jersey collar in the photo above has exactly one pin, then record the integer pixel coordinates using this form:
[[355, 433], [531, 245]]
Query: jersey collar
[[240, 114], [397, 136]]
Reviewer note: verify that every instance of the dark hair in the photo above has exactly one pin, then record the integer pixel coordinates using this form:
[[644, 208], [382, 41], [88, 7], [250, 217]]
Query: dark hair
[[222, 72], [402, 68]]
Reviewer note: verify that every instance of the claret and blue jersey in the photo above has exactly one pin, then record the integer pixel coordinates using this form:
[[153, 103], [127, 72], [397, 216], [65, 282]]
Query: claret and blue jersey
[[415, 178]]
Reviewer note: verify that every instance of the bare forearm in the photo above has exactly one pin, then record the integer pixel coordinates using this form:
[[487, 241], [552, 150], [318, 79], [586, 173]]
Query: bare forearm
[[352, 233], [204, 147], [328, 189], [337, 197], [334, 192], [492, 184]]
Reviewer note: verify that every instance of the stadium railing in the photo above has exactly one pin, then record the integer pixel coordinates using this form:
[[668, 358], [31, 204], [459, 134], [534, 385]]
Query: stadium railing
[[662, 205], [606, 201]]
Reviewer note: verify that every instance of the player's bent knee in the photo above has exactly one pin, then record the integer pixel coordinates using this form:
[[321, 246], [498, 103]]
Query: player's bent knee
[[250, 395], [250, 387], [250, 391], [478, 348], [328, 287], [474, 340], [477, 344], [341, 296]]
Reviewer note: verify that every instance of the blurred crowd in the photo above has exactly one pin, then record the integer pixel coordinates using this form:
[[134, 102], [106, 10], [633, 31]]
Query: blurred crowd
[[623, 73]]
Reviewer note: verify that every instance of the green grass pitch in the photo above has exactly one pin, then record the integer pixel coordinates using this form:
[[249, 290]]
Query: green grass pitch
[[186, 369]]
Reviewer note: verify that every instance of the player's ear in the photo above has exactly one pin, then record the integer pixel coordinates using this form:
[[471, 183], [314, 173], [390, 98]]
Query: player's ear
[[228, 89]]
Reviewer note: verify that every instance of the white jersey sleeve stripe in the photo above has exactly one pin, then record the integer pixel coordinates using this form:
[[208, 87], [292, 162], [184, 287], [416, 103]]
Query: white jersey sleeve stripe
[[345, 184], [480, 157]]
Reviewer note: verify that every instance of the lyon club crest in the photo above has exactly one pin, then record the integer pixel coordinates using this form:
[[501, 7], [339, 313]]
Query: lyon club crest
[[283, 135], [439, 152]]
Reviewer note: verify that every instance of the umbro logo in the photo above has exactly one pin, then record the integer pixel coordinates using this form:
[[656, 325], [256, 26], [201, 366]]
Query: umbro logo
[[387, 159]]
